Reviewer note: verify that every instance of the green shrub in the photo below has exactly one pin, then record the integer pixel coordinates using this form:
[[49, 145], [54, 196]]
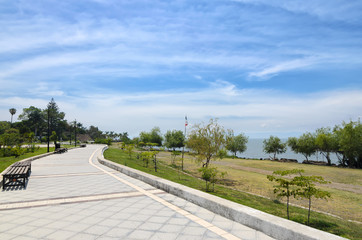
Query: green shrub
[[17, 151], [107, 141]]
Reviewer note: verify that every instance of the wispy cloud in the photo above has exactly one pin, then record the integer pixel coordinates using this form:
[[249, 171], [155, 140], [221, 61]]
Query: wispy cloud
[[163, 59], [268, 72], [336, 10], [246, 110]]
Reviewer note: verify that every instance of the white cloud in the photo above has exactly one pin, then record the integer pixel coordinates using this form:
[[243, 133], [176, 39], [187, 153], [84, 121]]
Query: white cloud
[[268, 72], [92, 62], [339, 10], [253, 111]]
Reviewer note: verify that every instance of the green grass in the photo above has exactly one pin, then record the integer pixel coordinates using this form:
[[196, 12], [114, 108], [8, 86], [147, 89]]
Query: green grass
[[320, 221], [344, 202], [7, 161], [335, 174], [251, 176]]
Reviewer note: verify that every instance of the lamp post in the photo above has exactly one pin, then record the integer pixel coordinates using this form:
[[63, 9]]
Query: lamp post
[[75, 132], [48, 135], [70, 134]]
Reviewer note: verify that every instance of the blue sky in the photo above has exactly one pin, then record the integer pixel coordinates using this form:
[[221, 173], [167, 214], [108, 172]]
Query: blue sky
[[262, 67]]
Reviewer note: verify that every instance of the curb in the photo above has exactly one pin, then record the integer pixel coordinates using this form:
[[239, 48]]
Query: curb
[[271, 225]]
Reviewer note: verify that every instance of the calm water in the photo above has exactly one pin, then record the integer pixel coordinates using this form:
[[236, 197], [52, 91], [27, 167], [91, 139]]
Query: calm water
[[255, 150]]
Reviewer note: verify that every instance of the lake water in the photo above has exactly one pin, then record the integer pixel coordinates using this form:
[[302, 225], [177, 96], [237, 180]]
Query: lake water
[[255, 150]]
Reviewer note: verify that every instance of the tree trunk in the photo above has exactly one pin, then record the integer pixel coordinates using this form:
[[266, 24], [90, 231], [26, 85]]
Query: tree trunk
[[288, 207], [327, 157], [155, 164], [310, 203]]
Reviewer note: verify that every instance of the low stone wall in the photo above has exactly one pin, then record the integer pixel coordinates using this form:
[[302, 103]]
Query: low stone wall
[[273, 226]]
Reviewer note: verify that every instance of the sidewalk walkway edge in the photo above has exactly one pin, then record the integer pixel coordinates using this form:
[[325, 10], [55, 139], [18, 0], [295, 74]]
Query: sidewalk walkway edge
[[273, 226]]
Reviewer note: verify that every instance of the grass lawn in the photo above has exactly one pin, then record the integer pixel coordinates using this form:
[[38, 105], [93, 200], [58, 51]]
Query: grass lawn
[[7, 161], [318, 220], [250, 176]]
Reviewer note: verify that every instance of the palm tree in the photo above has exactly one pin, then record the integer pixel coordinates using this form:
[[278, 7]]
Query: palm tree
[[12, 112]]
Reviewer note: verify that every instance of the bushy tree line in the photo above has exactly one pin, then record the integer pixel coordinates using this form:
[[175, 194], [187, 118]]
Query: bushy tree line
[[211, 142], [34, 124], [345, 141]]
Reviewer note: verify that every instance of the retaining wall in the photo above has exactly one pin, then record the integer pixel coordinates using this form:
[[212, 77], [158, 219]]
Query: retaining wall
[[271, 225]]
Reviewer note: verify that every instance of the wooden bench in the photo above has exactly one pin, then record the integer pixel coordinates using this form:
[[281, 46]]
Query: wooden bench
[[17, 174], [60, 150]]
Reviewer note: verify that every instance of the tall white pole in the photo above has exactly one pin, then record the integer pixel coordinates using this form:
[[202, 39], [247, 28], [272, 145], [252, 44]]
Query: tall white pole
[[183, 148]]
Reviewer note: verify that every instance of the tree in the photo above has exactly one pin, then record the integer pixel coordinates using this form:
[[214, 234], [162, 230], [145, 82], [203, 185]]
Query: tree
[[207, 141], [147, 156], [30, 139], [154, 159], [129, 149], [174, 154], [174, 139], [237, 143], [8, 140], [305, 144], [326, 142], [154, 136], [274, 145], [211, 175], [286, 186], [308, 189], [55, 117], [33, 118], [54, 137], [349, 137], [11, 137], [94, 132], [12, 112], [123, 137], [4, 126]]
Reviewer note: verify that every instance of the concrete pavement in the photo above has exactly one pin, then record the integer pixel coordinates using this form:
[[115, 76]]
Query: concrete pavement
[[72, 196]]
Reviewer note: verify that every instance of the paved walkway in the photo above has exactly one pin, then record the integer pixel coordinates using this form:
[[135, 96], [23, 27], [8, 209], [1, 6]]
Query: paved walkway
[[72, 196]]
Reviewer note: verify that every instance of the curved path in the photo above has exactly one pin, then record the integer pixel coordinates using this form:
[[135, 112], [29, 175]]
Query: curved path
[[72, 196]]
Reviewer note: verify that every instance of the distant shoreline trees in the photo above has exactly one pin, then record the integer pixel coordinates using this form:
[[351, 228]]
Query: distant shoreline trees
[[237, 143], [344, 140], [33, 127], [274, 145], [207, 141]]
